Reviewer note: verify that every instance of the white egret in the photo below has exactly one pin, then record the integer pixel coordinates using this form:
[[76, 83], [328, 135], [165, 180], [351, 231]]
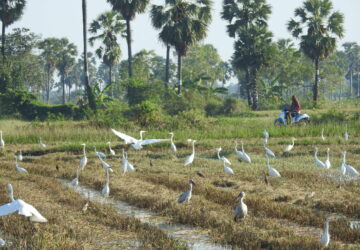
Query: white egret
[[322, 134], [112, 152], [268, 152], [222, 158], [241, 209], [21, 207], [83, 160], [75, 181], [123, 162], [20, 156], [42, 145], [172, 144], [129, 166], [325, 236], [346, 135], [266, 136], [99, 154], [244, 156], [2, 243], [105, 165], [186, 196], [21, 170], [191, 157], [327, 162], [343, 164], [349, 169], [272, 171], [227, 169], [289, 147], [135, 143], [2, 143], [318, 162], [106, 189]]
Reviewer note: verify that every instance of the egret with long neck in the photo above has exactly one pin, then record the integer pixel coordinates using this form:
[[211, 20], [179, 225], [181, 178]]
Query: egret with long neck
[[327, 162], [83, 160], [186, 196], [318, 162], [325, 237], [191, 157], [172, 144], [2, 143], [241, 209]]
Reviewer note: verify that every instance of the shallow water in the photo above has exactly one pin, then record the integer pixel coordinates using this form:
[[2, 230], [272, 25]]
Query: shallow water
[[195, 238]]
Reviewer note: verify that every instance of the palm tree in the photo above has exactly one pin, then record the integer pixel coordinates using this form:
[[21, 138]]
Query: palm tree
[[352, 52], [189, 23], [128, 10], [161, 19], [105, 28], [90, 94], [50, 49], [318, 30], [10, 12], [253, 47], [66, 60]]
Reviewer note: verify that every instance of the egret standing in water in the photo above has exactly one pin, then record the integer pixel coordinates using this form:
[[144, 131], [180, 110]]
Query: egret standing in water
[[106, 189], [190, 158], [2, 143], [241, 210], [21, 207], [112, 152], [186, 196], [244, 156], [325, 236], [83, 160], [75, 181], [172, 144]]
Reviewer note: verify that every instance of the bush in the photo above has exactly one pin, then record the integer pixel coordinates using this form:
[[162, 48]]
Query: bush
[[138, 91], [146, 114], [192, 118], [213, 108]]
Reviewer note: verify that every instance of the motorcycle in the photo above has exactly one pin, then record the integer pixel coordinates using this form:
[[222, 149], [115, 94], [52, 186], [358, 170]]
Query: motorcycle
[[299, 118]]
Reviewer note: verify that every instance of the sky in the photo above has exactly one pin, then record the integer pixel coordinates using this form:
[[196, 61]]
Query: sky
[[63, 18]]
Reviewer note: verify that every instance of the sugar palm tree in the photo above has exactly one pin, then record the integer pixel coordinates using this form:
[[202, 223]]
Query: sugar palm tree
[[66, 60], [189, 24], [128, 10], [50, 49], [89, 92], [352, 52], [10, 12], [106, 28], [318, 28], [161, 19], [253, 47]]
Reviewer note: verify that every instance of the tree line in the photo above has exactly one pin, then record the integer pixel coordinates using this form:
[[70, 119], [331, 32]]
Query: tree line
[[265, 69]]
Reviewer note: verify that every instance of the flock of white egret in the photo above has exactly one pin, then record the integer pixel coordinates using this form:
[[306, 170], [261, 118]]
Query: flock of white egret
[[240, 211]]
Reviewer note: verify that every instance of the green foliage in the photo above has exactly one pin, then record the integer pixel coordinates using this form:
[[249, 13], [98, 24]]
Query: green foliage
[[332, 117], [146, 114], [111, 114], [193, 118], [138, 91], [26, 104]]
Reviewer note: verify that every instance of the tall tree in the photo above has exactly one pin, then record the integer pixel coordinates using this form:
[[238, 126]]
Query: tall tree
[[352, 52], [106, 28], [66, 60], [190, 21], [161, 19], [253, 47], [128, 10], [89, 92], [50, 49], [10, 12], [318, 28]]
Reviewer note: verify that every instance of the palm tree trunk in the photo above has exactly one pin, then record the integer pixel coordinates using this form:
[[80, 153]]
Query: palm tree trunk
[[254, 91], [358, 85], [48, 87], [110, 81], [90, 94], [63, 88], [316, 85], [167, 66], [179, 73], [128, 40], [351, 82], [248, 88], [3, 41]]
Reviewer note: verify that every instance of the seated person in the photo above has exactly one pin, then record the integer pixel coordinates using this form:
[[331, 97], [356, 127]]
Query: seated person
[[295, 108]]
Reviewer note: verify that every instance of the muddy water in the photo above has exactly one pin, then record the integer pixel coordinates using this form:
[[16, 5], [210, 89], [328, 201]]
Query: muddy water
[[193, 237]]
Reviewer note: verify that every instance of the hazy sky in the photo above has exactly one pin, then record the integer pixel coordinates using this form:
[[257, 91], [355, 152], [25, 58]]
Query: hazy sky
[[62, 18]]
